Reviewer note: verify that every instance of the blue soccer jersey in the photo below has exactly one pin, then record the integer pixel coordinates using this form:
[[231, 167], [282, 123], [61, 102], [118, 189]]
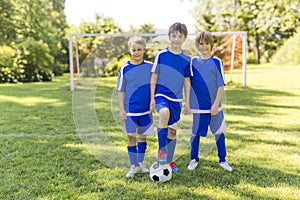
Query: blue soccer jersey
[[171, 70], [134, 80], [208, 76]]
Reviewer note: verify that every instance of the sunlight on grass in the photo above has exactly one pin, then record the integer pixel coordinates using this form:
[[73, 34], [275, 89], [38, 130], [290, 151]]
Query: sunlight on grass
[[31, 101], [280, 191], [45, 156]]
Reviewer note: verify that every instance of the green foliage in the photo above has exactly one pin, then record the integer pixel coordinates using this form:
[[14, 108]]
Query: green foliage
[[7, 26], [104, 55], [60, 69], [44, 22], [289, 53], [114, 65], [35, 57], [9, 70], [268, 23], [6, 55]]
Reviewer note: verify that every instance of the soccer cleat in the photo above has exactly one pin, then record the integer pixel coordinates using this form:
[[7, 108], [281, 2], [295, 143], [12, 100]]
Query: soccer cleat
[[162, 157], [193, 164], [143, 167], [174, 167], [226, 166], [133, 170]]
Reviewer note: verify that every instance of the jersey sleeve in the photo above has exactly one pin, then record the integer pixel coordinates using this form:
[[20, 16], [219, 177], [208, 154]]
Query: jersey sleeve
[[121, 85], [188, 72], [156, 66], [220, 75]]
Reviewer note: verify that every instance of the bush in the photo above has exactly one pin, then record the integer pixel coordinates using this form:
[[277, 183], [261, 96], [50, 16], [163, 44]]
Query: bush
[[289, 53], [9, 70], [251, 58], [36, 59], [58, 70]]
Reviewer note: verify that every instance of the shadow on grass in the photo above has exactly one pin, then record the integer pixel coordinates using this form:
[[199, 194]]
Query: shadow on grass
[[210, 175], [250, 139], [255, 102]]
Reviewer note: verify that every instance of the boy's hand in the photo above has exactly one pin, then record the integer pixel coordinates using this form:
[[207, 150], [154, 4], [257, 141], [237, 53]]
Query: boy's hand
[[152, 105], [123, 115], [186, 109], [214, 110], [187, 52]]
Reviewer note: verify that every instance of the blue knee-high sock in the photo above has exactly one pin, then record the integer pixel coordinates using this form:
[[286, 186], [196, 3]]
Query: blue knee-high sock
[[132, 153], [171, 144], [220, 141], [141, 150], [195, 143], [162, 134]]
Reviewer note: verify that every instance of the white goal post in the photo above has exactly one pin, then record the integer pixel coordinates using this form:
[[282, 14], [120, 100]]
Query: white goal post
[[74, 35]]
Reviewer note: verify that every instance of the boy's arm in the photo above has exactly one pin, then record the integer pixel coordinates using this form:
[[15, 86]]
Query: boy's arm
[[153, 81], [187, 91], [215, 107], [121, 96]]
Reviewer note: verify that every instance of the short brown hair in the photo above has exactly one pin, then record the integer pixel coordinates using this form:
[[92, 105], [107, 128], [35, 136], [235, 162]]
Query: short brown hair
[[180, 27], [205, 36]]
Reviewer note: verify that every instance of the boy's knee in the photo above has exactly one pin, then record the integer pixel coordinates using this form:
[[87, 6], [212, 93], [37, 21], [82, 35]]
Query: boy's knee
[[131, 138], [172, 133], [164, 113], [142, 138]]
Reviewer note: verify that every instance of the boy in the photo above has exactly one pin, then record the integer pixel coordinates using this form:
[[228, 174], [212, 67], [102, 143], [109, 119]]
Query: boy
[[133, 94], [207, 87], [170, 72]]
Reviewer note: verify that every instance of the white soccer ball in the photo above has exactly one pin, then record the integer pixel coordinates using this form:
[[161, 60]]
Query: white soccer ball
[[160, 172]]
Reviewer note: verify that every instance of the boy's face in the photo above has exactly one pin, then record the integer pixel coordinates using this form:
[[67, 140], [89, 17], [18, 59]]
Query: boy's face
[[137, 52], [204, 47], [176, 39]]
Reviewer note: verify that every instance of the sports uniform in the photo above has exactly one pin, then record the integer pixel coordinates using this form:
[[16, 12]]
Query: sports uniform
[[171, 70], [134, 80]]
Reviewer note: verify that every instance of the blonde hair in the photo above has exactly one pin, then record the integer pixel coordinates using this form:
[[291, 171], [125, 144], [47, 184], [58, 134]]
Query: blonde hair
[[136, 39], [205, 36]]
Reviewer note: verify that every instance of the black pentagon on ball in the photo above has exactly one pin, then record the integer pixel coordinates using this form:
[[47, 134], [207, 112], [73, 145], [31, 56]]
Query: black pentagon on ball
[[166, 172], [155, 178]]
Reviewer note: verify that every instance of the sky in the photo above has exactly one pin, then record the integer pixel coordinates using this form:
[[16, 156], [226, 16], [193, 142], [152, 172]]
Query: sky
[[161, 13]]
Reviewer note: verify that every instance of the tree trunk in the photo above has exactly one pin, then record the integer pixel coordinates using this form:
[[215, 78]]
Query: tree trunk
[[257, 51]]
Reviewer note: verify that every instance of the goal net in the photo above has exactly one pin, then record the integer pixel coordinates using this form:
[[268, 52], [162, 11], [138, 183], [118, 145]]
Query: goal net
[[95, 102], [94, 55]]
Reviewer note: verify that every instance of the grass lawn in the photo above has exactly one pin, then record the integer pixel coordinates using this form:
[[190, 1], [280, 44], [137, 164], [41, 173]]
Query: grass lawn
[[55, 144]]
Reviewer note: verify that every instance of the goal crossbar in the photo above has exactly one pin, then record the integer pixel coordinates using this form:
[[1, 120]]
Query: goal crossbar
[[72, 35]]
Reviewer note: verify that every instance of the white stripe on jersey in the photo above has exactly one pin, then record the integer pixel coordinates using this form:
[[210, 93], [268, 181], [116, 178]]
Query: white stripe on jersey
[[197, 111], [169, 98], [191, 65], [222, 68], [121, 77], [138, 114], [156, 60]]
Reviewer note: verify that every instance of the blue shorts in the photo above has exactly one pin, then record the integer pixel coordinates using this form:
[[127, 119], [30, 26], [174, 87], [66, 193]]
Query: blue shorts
[[202, 121], [140, 124], [174, 108]]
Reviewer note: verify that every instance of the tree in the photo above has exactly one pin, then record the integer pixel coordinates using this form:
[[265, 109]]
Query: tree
[[7, 26], [268, 23], [35, 57], [289, 53], [43, 21]]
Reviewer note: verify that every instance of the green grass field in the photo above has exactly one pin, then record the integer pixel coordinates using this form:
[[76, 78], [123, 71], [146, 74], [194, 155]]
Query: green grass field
[[51, 148]]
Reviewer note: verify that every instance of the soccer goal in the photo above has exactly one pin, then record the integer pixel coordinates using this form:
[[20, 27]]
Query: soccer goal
[[96, 55]]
